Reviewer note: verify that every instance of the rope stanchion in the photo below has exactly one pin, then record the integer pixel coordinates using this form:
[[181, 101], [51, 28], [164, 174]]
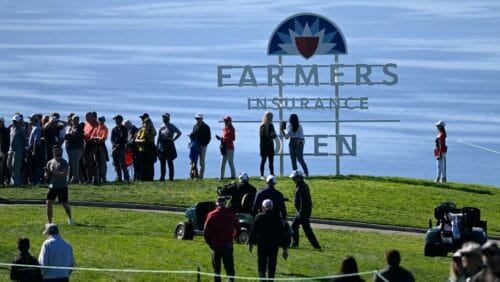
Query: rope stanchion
[[198, 273]]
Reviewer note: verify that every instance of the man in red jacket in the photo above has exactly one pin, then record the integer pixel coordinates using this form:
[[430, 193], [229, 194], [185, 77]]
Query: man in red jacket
[[221, 227]]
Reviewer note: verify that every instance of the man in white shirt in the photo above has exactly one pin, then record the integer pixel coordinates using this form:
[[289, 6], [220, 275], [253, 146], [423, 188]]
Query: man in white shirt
[[55, 252]]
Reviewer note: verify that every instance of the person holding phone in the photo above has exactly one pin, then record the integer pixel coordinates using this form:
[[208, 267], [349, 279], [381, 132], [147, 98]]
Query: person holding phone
[[295, 133]]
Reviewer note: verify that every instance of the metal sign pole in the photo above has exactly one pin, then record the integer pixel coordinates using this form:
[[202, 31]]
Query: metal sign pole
[[337, 121], [280, 62]]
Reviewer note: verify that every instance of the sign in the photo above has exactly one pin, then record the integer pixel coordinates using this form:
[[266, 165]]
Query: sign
[[308, 35]]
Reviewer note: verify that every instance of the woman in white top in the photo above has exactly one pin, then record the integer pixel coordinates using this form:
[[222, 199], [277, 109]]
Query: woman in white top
[[295, 132]]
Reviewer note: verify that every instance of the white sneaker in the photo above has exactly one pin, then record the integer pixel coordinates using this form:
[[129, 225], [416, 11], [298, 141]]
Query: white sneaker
[[262, 177], [71, 221]]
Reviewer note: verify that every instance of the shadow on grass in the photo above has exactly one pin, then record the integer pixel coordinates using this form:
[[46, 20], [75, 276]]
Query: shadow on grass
[[90, 225], [471, 188]]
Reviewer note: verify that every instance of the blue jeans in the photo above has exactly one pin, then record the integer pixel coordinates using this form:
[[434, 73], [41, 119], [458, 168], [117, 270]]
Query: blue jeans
[[297, 153]]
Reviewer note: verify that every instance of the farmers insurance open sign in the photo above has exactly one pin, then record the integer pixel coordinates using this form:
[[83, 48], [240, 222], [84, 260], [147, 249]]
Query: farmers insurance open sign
[[308, 35]]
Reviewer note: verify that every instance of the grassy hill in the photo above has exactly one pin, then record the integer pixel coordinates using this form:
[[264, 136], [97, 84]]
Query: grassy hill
[[383, 200]]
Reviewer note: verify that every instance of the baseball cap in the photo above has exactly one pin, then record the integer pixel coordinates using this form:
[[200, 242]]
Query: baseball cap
[[16, 118], [198, 115], [490, 246], [144, 115], [243, 176], [102, 118], [271, 179], [165, 115], [227, 118], [296, 173], [51, 229], [469, 248], [119, 117], [440, 123]]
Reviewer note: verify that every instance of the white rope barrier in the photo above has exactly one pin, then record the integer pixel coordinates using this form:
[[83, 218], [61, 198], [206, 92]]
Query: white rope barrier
[[194, 272]]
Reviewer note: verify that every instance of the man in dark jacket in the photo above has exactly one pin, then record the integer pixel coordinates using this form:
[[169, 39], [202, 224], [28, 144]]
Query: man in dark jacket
[[267, 234], [393, 272], [118, 142], [269, 192], [303, 205], [74, 147], [132, 146], [201, 133], [237, 191], [221, 227], [23, 273]]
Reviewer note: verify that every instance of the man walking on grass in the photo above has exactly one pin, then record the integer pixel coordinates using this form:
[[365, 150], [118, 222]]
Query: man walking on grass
[[56, 173], [221, 227]]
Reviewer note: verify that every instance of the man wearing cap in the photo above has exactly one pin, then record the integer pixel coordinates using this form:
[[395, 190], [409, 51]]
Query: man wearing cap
[[440, 151], [118, 142], [237, 191], [16, 151], [55, 252], [491, 258], [201, 134], [99, 137], [74, 147], [471, 259], [393, 272], [145, 116], [4, 150], [51, 132], [227, 142], [36, 156], [267, 234], [269, 192], [303, 205], [56, 173], [167, 153], [221, 228]]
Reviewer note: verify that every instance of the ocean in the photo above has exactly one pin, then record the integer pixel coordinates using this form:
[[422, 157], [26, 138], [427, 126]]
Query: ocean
[[130, 57]]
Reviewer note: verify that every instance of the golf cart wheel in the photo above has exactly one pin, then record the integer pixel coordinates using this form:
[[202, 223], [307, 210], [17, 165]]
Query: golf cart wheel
[[184, 231], [429, 250], [244, 235]]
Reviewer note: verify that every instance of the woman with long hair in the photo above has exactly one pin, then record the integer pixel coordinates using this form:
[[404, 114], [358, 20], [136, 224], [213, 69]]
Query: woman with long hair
[[267, 135], [440, 151], [348, 266], [295, 132]]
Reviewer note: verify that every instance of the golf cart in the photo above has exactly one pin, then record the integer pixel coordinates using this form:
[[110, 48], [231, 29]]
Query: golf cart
[[454, 227], [197, 214]]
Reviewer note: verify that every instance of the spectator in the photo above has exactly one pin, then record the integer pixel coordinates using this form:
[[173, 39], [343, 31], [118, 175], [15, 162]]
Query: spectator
[[221, 227], [194, 153], [457, 273], [167, 153], [267, 135], [132, 147], [23, 273], [348, 266], [51, 133], [267, 232], [227, 142], [56, 173], [89, 153], [146, 116], [295, 132], [201, 133], [55, 251], [491, 258], [303, 205], [471, 259], [118, 142], [269, 192], [18, 142], [393, 272], [4, 150], [440, 151], [237, 191], [147, 150], [99, 136], [36, 156], [74, 147]]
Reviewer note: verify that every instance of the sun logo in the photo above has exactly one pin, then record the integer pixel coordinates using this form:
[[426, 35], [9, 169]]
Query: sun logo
[[307, 35]]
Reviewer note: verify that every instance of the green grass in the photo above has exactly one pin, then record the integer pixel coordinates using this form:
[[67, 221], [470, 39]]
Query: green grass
[[383, 200], [110, 238]]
